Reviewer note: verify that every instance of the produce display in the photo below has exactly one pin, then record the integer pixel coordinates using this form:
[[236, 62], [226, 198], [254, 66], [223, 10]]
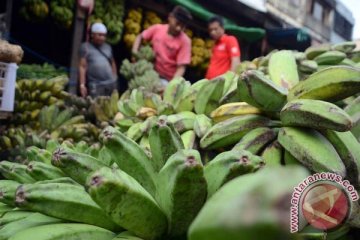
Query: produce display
[[211, 160], [62, 11], [34, 10], [36, 71], [132, 25]]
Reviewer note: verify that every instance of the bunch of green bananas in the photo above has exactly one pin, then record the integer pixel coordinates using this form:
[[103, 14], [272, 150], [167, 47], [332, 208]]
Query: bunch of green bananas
[[62, 12], [141, 73], [111, 13], [34, 10], [105, 108], [31, 95]]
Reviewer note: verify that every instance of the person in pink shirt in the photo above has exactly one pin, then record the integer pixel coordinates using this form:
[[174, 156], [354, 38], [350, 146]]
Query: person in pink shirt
[[171, 45]]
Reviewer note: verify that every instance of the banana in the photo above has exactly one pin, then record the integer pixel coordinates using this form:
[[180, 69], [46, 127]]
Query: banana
[[42, 171], [234, 109], [13, 216], [258, 91], [347, 147], [129, 204], [62, 117], [15, 171], [126, 236], [247, 208], [151, 100], [256, 140], [137, 96], [183, 121], [130, 157], [345, 47], [283, 69], [312, 149], [289, 159], [64, 231], [315, 114], [330, 84], [145, 112], [208, 96], [181, 190], [187, 100], [314, 51], [229, 165], [201, 125], [272, 154], [188, 138], [7, 191], [330, 58], [175, 90], [134, 132], [231, 131], [164, 142], [33, 220], [148, 124], [52, 198], [37, 154], [308, 66], [75, 165]]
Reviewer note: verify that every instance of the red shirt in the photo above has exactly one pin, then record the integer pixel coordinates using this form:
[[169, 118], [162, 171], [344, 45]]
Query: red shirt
[[169, 51], [222, 52]]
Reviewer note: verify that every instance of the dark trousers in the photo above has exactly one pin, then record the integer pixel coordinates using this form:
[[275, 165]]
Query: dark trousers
[[102, 89]]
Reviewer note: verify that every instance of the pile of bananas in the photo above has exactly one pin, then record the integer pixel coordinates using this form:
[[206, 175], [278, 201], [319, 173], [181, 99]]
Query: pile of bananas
[[200, 52], [141, 73], [105, 108], [62, 11], [36, 71], [111, 13], [151, 18], [132, 26], [34, 10], [31, 95]]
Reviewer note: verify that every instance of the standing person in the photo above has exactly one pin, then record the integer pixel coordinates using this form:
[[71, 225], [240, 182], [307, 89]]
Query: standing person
[[97, 68], [225, 54], [172, 47]]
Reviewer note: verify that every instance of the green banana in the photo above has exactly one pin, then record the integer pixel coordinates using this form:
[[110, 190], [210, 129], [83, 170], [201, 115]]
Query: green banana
[[347, 147], [53, 198], [42, 171], [35, 219], [15, 171], [188, 138], [314, 51], [68, 231], [126, 236], [7, 191], [67, 180], [312, 149], [232, 130], [256, 140], [258, 91], [127, 202], [247, 208], [315, 114], [181, 190], [330, 58], [164, 141], [308, 66], [134, 132], [183, 121], [201, 125], [13, 216], [345, 47], [229, 165], [283, 69], [289, 159], [75, 165], [272, 154], [208, 96], [187, 100], [330, 84], [130, 157]]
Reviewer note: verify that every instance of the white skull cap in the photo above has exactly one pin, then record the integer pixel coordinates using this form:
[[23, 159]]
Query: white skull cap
[[98, 28]]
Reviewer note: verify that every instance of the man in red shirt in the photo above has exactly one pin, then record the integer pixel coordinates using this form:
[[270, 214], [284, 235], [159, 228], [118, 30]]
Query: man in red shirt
[[171, 45], [225, 54]]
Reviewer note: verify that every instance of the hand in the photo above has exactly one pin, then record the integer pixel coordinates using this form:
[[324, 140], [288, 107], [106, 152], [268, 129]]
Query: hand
[[133, 59], [83, 90]]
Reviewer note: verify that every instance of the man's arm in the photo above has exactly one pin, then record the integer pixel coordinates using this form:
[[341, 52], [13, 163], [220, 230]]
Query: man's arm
[[113, 68], [235, 61], [137, 43], [82, 77], [180, 71]]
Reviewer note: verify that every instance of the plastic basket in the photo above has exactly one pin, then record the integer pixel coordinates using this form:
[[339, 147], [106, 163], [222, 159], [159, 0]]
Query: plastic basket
[[7, 86]]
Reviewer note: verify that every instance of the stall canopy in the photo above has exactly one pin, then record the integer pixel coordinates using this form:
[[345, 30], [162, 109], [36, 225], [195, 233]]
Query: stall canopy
[[290, 38], [245, 33]]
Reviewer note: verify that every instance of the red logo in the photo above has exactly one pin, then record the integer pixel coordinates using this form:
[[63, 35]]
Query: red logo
[[325, 206]]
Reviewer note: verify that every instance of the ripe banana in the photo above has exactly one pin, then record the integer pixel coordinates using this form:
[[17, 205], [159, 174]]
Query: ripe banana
[[234, 109]]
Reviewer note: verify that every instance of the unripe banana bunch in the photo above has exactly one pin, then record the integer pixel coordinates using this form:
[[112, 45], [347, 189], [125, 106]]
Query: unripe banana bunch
[[63, 12], [34, 10], [105, 108]]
